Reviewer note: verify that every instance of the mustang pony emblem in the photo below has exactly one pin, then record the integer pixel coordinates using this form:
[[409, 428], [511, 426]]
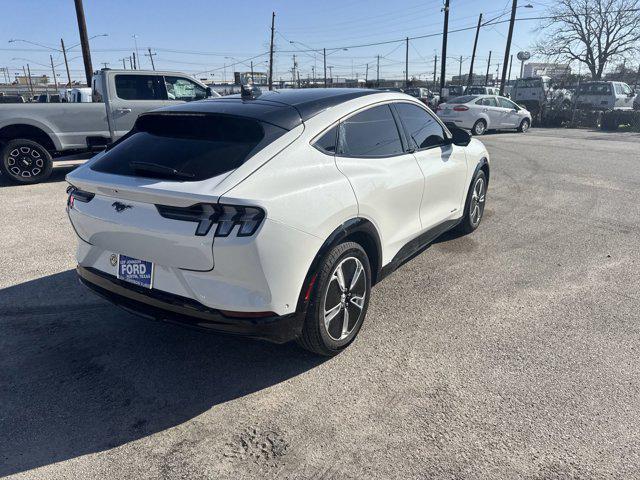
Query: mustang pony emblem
[[120, 206]]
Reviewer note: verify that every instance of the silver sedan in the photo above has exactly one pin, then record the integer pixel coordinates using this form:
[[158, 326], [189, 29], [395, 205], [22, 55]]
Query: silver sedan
[[480, 113]]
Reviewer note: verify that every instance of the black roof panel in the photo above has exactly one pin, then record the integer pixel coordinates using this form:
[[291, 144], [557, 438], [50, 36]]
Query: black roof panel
[[284, 108]]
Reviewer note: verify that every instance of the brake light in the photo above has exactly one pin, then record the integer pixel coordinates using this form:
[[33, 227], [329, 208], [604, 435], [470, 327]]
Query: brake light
[[226, 217], [460, 108], [78, 195]]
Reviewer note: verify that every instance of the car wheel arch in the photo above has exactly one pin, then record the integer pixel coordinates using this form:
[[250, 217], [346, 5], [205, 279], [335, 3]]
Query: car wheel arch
[[357, 229]]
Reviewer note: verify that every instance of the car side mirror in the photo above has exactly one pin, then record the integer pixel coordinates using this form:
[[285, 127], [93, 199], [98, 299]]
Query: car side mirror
[[459, 136], [209, 92]]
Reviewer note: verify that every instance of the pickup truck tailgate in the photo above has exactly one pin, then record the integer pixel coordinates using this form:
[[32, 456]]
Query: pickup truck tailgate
[[137, 229]]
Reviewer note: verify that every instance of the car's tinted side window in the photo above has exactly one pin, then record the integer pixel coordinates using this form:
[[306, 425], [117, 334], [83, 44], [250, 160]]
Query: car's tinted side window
[[140, 87], [423, 130], [327, 143], [371, 133]]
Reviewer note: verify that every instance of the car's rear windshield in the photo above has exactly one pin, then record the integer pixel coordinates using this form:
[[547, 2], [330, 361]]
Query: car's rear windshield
[[463, 99], [187, 147]]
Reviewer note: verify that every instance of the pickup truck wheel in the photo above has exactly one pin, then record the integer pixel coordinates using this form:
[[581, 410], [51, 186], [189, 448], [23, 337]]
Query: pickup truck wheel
[[25, 161]]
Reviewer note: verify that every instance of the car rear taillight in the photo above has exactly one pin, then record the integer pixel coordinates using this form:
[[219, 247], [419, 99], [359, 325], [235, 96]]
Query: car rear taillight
[[226, 217], [76, 194], [460, 108]]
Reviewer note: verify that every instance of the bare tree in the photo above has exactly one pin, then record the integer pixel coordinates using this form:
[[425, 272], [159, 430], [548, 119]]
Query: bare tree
[[593, 32]]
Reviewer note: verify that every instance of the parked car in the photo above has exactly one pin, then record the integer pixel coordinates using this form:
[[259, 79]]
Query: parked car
[[605, 96], [11, 99], [425, 96], [48, 98], [480, 113], [32, 136], [482, 90], [548, 102], [272, 215]]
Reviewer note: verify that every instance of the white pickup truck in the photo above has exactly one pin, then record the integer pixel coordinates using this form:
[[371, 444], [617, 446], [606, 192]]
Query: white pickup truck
[[34, 135]]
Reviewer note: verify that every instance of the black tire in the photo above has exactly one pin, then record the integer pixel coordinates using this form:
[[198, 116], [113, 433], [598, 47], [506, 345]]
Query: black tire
[[524, 125], [331, 340], [468, 225], [25, 161], [479, 128]]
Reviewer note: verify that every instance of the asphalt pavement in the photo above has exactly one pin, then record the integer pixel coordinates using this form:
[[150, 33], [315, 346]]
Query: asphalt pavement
[[511, 353]]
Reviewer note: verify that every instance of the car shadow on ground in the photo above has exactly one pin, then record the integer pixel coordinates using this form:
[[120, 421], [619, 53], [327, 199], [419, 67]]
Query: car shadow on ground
[[57, 175], [78, 375]]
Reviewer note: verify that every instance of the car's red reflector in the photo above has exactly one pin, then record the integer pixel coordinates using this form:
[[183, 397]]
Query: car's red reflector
[[460, 108], [307, 296]]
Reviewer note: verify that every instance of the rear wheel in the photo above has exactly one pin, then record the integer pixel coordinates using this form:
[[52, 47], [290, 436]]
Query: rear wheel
[[339, 301], [524, 125], [25, 161], [479, 127], [474, 206]]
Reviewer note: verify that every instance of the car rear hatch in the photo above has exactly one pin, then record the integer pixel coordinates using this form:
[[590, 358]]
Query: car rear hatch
[[145, 196]]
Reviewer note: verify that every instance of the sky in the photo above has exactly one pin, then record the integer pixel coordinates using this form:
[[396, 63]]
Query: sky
[[212, 39]]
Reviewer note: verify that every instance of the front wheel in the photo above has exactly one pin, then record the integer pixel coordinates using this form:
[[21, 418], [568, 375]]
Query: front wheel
[[474, 206], [524, 125], [339, 300], [25, 161], [479, 127]]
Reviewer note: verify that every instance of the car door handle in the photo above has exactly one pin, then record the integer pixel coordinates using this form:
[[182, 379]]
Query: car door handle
[[123, 110]]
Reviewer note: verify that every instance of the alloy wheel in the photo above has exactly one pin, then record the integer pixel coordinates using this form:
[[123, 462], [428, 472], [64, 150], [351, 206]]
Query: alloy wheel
[[479, 128], [476, 208], [25, 162], [345, 298]]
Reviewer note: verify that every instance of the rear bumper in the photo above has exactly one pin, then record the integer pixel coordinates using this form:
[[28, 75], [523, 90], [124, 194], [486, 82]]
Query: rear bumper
[[159, 305]]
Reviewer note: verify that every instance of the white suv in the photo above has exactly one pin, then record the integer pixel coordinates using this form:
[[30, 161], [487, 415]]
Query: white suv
[[272, 215]]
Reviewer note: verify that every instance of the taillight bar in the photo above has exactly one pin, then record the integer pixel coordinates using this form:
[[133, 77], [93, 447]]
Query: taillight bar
[[226, 217], [460, 108]]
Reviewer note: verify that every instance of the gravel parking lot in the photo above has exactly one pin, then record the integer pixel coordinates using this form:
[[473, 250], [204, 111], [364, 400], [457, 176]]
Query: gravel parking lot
[[509, 353]]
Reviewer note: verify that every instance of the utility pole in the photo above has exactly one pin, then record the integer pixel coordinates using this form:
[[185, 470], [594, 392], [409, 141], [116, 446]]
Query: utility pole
[[135, 65], [66, 64], [406, 64], [30, 82], [510, 64], [273, 22], [460, 69], [130, 63], [324, 56], [150, 55], [53, 69], [473, 55], [366, 75], [124, 65], [445, 32], [252, 72], [435, 70], [331, 73], [486, 78], [293, 71], [514, 6], [378, 72], [497, 72], [298, 74], [84, 41]]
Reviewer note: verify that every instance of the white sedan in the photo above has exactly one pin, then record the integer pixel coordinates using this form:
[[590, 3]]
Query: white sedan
[[480, 113]]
